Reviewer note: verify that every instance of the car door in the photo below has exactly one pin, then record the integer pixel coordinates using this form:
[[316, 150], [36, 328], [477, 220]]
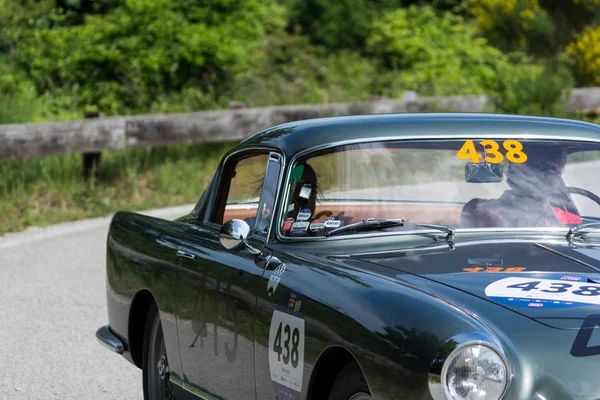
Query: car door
[[217, 294]]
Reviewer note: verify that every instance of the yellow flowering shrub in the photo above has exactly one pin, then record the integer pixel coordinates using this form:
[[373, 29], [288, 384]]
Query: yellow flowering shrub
[[588, 3], [584, 52], [524, 10], [513, 24]]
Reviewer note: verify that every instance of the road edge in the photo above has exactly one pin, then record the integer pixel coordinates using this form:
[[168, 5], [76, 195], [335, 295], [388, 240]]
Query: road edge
[[35, 233]]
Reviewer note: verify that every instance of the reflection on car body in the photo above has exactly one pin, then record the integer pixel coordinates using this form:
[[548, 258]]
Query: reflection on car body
[[431, 256]]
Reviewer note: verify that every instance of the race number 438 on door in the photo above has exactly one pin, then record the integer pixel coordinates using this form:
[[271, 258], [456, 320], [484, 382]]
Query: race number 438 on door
[[286, 350]]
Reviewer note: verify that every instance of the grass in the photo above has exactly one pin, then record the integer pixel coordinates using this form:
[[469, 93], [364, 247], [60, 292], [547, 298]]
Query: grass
[[44, 191]]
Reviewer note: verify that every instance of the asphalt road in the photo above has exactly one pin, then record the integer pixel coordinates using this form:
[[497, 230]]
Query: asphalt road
[[52, 300]]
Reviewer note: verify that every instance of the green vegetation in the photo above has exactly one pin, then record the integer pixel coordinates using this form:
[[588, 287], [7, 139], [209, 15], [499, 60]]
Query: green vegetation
[[49, 190], [433, 53], [61, 58]]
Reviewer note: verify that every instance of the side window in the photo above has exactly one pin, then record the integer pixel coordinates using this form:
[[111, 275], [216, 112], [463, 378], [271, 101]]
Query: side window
[[240, 189], [582, 186]]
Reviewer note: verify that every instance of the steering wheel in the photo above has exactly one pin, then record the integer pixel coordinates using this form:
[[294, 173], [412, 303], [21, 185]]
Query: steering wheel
[[584, 192]]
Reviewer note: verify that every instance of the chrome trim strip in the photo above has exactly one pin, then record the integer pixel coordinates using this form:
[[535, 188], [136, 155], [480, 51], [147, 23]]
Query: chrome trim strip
[[282, 167], [275, 157], [110, 340], [176, 381], [185, 254], [438, 368], [408, 138], [444, 247], [190, 389], [550, 234]]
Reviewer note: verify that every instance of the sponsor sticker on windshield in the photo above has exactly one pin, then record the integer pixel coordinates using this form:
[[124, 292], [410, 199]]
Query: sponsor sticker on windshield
[[304, 214], [317, 225], [332, 222], [299, 227], [557, 292], [287, 225]]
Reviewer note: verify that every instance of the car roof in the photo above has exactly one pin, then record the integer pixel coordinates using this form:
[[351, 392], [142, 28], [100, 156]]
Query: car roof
[[299, 136]]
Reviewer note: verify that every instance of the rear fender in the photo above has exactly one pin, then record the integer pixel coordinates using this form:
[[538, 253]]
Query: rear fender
[[141, 267]]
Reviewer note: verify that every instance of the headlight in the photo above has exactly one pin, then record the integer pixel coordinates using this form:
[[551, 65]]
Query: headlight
[[469, 367]]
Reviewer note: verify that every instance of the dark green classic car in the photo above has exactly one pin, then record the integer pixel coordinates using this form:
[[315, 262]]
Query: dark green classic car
[[430, 256]]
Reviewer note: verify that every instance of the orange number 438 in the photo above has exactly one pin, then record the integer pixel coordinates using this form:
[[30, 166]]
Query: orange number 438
[[514, 152]]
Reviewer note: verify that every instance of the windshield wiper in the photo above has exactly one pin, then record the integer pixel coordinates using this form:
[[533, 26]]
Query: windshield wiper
[[367, 224], [380, 223], [443, 228], [579, 230]]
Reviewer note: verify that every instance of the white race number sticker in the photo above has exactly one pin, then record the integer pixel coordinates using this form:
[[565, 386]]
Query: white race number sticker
[[286, 350], [545, 289]]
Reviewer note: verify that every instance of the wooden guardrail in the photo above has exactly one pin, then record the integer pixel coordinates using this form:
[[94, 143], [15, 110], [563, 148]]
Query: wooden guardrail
[[98, 134]]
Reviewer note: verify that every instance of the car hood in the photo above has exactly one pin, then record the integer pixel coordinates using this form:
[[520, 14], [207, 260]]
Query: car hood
[[555, 284]]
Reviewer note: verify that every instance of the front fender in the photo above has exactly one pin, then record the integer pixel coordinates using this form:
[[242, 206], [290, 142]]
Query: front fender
[[392, 328]]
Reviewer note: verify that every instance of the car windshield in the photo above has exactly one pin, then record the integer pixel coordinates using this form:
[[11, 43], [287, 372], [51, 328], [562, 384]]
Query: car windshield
[[475, 183]]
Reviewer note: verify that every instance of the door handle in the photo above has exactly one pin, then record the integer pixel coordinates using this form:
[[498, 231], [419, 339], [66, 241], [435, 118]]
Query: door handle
[[185, 254]]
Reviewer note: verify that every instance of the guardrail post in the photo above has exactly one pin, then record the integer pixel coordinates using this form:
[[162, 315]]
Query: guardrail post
[[91, 161]]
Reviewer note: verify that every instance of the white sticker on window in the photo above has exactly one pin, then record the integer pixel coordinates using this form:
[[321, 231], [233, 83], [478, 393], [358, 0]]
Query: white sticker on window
[[286, 350], [305, 192]]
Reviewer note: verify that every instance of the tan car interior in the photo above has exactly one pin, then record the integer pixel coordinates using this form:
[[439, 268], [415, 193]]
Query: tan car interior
[[447, 214], [438, 213]]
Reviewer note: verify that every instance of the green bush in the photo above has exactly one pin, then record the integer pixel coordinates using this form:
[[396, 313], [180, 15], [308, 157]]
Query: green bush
[[346, 24], [146, 56], [289, 70], [432, 53], [531, 89], [333, 24], [540, 27], [145, 52], [18, 98]]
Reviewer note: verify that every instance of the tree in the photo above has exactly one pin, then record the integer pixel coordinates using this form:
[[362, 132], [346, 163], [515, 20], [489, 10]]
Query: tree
[[145, 52], [434, 53], [584, 54], [541, 27]]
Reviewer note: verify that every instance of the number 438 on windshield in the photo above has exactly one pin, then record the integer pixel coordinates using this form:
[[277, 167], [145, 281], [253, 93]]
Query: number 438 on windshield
[[513, 148]]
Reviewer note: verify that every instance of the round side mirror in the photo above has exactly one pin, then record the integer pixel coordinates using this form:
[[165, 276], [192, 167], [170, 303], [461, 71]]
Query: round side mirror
[[234, 233]]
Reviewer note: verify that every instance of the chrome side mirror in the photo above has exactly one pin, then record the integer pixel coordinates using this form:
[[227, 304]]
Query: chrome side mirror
[[233, 236]]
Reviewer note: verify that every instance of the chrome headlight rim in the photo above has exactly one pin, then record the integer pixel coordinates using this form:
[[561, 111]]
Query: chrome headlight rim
[[448, 350]]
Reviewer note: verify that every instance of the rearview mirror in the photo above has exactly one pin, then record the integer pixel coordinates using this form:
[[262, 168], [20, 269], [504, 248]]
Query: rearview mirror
[[233, 236], [483, 173]]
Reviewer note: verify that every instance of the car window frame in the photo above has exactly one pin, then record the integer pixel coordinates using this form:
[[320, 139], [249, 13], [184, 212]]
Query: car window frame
[[235, 156], [275, 160]]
